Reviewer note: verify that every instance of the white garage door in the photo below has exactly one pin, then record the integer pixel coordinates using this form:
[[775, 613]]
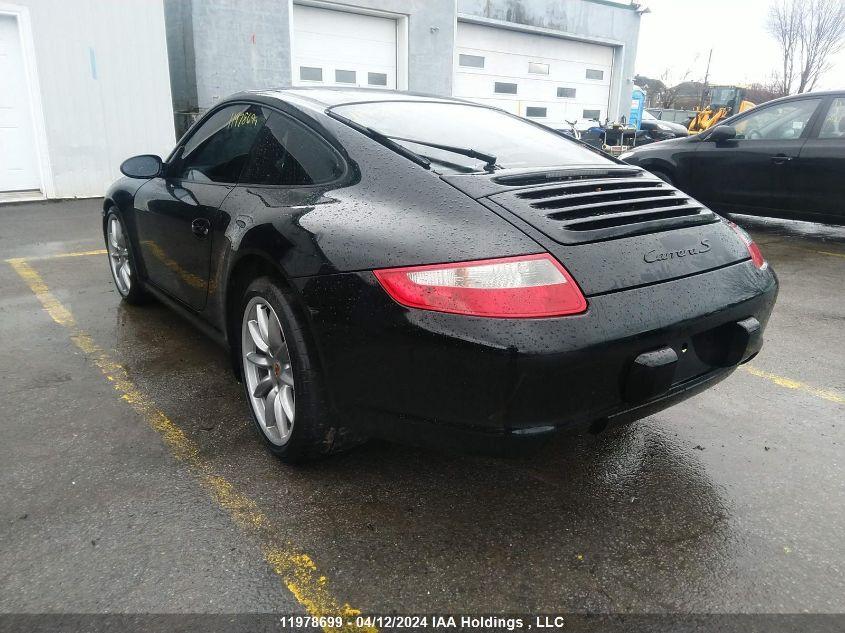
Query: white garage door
[[338, 48], [545, 78], [18, 164]]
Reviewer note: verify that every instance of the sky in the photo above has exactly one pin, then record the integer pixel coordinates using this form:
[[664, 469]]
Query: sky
[[678, 34]]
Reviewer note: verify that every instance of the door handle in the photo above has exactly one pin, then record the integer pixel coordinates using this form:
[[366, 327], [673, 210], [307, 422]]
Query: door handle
[[200, 227], [781, 159]]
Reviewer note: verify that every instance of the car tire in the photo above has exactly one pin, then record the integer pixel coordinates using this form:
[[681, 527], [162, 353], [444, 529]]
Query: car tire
[[664, 176], [122, 261], [296, 423]]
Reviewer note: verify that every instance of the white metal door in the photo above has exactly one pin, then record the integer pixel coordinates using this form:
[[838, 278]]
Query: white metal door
[[18, 157], [339, 48], [546, 78]]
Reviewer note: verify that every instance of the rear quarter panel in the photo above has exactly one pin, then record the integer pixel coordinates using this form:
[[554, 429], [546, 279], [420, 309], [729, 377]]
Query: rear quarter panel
[[386, 211]]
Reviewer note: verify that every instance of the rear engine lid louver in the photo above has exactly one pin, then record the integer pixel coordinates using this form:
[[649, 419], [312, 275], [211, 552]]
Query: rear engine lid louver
[[589, 205]]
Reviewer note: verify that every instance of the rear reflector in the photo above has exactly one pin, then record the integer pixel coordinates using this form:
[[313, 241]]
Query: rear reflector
[[753, 249], [528, 286]]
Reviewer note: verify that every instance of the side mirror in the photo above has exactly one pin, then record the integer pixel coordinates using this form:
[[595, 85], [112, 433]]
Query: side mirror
[[721, 133], [143, 166]]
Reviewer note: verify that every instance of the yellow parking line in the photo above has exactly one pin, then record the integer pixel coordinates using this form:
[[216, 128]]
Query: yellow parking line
[[830, 253], [810, 250], [296, 569], [101, 251], [789, 383]]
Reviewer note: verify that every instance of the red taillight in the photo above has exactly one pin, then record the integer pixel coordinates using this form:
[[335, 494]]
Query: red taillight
[[528, 286], [753, 249]]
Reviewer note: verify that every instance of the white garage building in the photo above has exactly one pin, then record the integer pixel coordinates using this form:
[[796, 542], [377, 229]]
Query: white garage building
[[87, 83], [550, 60], [83, 85]]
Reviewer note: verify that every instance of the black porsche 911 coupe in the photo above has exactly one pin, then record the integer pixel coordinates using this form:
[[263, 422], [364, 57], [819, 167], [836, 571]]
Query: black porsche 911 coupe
[[432, 270]]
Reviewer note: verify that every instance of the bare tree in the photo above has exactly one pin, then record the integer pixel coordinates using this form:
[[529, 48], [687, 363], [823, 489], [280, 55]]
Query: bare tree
[[808, 33], [667, 97], [762, 91]]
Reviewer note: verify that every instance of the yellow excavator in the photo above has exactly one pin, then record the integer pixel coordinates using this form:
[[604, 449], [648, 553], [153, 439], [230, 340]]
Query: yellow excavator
[[725, 101]]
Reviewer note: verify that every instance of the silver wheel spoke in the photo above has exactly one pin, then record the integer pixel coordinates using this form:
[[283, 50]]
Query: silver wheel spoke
[[286, 378], [282, 354], [286, 401], [270, 408], [258, 359], [124, 275], [284, 424], [274, 335], [263, 323], [281, 420], [263, 388], [256, 336]]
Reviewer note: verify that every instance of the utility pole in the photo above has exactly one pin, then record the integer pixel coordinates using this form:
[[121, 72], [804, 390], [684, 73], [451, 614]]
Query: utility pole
[[706, 79]]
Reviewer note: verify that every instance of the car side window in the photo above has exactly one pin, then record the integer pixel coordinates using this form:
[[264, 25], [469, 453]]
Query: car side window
[[833, 125], [218, 151], [783, 121], [287, 153]]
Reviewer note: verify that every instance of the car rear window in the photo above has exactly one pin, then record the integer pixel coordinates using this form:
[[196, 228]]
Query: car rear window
[[513, 141]]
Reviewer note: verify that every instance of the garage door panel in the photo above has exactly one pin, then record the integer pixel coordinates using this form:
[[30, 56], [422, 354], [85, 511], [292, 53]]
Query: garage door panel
[[492, 39], [540, 94], [329, 65], [486, 81], [362, 76], [376, 53], [18, 162], [337, 24], [567, 50], [507, 55], [341, 41], [516, 66]]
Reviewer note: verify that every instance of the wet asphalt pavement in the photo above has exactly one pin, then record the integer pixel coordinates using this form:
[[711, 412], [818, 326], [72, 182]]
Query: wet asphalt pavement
[[733, 501]]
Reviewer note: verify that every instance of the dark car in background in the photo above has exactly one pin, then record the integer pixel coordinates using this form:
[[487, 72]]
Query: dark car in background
[[432, 270], [656, 130], [785, 158], [672, 115]]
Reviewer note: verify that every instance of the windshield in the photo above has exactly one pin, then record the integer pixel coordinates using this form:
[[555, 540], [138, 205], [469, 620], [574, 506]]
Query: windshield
[[722, 96], [514, 142]]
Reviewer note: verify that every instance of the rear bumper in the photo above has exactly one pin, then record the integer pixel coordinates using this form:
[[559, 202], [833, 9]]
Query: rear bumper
[[397, 372], [411, 430]]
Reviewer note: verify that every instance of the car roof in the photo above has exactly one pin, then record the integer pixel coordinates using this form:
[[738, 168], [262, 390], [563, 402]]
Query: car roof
[[804, 95], [328, 97]]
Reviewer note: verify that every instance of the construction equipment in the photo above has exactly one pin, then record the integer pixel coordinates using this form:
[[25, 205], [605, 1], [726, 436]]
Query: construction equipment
[[725, 101]]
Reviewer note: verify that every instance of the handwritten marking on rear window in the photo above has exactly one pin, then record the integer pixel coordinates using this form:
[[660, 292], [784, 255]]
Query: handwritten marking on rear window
[[242, 119]]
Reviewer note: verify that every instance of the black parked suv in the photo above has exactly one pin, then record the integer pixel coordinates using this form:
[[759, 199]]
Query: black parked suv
[[785, 158]]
